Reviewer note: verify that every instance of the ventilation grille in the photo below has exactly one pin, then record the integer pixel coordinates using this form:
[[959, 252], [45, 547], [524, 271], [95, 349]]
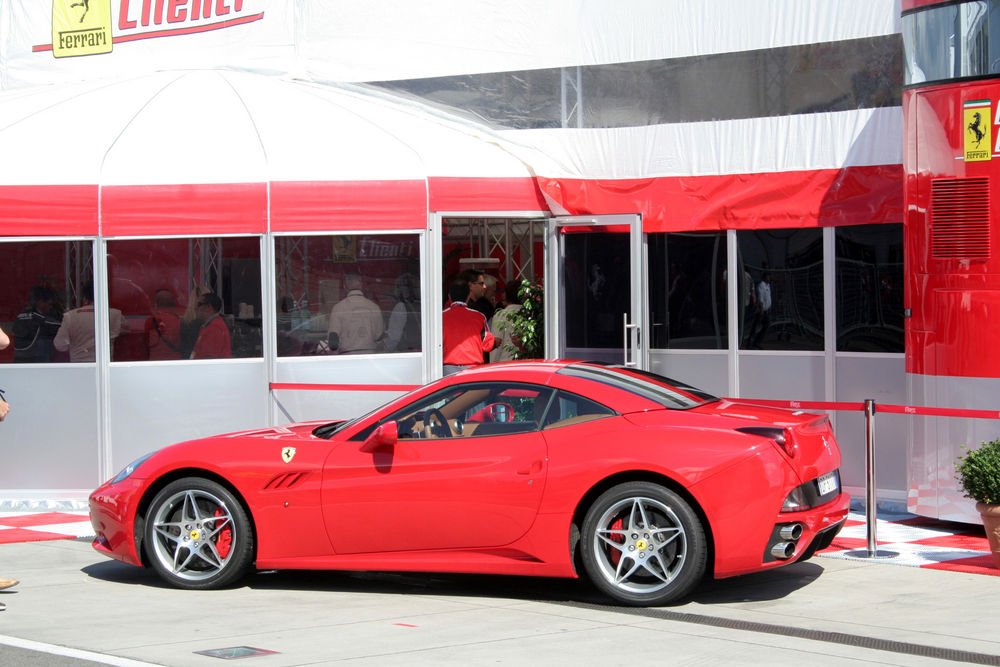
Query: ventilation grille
[[285, 481], [960, 219]]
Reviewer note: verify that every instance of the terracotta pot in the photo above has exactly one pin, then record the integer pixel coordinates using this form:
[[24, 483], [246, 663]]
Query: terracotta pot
[[991, 521]]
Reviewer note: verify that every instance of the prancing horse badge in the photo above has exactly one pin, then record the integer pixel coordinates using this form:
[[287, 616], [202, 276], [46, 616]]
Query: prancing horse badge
[[287, 454]]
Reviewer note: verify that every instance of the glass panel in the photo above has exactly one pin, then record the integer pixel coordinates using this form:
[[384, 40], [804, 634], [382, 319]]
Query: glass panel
[[652, 386], [952, 41], [870, 288], [807, 78], [687, 290], [186, 298], [569, 409], [364, 288], [786, 268], [482, 409], [41, 280], [597, 288]]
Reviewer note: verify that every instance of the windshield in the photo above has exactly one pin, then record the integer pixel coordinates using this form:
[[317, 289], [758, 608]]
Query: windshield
[[326, 431], [668, 393]]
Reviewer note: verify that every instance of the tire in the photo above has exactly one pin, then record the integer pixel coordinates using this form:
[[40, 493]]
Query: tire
[[197, 535], [643, 545]]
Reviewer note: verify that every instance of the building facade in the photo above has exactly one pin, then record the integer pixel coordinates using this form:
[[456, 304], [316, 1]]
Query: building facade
[[634, 157]]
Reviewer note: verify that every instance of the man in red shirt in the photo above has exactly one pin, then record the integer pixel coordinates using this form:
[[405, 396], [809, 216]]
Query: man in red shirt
[[213, 337], [465, 332]]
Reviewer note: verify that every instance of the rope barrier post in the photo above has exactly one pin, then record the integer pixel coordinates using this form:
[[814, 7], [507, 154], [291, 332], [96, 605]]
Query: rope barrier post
[[871, 512]]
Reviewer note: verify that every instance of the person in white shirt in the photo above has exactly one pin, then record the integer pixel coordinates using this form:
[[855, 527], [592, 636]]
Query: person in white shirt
[[508, 344], [77, 331], [763, 319], [403, 330], [356, 320]]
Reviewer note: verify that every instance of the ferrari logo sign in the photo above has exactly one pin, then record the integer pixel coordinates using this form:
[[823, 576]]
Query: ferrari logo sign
[[81, 27], [978, 123], [287, 454]]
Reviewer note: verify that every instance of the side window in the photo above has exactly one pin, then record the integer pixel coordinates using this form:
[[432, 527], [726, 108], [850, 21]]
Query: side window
[[568, 409], [41, 281], [185, 298], [475, 410], [348, 294]]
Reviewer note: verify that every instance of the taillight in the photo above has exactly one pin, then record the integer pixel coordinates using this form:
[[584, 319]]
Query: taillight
[[781, 436]]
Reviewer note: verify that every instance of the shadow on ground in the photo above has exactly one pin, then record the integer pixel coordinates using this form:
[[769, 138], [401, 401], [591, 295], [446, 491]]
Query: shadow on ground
[[762, 586]]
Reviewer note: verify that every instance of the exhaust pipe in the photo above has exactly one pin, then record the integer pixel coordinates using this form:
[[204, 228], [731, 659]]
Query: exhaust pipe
[[783, 550], [791, 532]]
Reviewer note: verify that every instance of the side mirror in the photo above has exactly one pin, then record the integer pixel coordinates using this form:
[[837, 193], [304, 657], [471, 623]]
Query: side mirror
[[386, 435]]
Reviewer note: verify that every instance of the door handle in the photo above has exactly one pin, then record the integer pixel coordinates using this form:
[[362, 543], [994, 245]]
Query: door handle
[[533, 469], [627, 342]]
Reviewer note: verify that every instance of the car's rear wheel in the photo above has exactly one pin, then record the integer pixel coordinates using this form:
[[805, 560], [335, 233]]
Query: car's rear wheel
[[643, 545], [197, 535]]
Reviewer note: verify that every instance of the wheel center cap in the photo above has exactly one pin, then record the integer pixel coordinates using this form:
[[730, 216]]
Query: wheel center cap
[[194, 534], [641, 545]]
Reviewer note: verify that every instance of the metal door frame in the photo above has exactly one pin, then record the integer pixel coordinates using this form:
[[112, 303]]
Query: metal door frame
[[636, 340]]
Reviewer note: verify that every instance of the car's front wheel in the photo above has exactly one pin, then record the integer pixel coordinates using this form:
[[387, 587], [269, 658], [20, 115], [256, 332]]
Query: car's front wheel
[[643, 545], [197, 535]]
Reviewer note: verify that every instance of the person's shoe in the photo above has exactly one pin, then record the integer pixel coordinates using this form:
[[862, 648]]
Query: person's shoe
[[7, 583]]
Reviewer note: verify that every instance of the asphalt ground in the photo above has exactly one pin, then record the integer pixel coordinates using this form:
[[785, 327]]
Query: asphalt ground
[[75, 607]]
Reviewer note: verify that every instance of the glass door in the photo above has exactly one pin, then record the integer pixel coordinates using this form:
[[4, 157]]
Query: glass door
[[595, 289]]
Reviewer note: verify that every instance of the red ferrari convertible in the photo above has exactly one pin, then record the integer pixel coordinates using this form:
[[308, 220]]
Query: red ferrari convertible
[[557, 469]]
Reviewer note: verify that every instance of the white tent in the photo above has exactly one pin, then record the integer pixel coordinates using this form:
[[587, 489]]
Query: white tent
[[228, 152]]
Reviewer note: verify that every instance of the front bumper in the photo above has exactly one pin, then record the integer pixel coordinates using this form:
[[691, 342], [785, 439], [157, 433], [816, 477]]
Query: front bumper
[[112, 514]]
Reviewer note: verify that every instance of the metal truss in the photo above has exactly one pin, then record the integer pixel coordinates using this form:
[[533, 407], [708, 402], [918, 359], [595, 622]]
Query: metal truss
[[205, 263], [571, 96], [293, 270], [79, 269], [511, 241]]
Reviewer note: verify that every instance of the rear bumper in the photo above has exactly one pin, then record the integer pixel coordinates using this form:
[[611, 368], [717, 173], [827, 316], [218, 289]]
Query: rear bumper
[[821, 541], [818, 525]]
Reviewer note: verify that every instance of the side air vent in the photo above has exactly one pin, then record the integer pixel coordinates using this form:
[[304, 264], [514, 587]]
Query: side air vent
[[285, 481], [960, 218]]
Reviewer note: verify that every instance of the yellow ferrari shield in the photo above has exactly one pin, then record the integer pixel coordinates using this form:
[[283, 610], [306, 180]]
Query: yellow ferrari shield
[[287, 454], [978, 124], [81, 27]]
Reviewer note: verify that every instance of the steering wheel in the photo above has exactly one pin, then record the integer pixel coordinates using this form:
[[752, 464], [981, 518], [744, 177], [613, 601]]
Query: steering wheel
[[437, 422]]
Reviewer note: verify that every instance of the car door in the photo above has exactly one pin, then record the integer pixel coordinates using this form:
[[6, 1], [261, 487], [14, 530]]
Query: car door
[[477, 485]]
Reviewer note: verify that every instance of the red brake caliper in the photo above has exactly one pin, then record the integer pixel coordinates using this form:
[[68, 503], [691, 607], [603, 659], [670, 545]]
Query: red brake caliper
[[224, 540], [616, 555]]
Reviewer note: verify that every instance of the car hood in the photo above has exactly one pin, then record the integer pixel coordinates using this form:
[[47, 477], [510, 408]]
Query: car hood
[[295, 430]]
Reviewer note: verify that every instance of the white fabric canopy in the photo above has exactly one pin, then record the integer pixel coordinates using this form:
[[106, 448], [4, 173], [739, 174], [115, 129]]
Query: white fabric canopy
[[223, 126], [147, 147]]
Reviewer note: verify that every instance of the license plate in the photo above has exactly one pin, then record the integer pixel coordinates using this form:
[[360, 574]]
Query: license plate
[[827, 483]]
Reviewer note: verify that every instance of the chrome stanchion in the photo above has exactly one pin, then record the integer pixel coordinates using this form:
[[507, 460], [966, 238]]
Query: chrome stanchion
[[871, 514]]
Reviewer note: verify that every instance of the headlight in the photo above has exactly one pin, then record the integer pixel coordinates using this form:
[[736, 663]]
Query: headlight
[[130, 468]]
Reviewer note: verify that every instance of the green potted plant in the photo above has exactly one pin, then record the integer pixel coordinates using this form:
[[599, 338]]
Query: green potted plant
[[978, 472], [528, 322]]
